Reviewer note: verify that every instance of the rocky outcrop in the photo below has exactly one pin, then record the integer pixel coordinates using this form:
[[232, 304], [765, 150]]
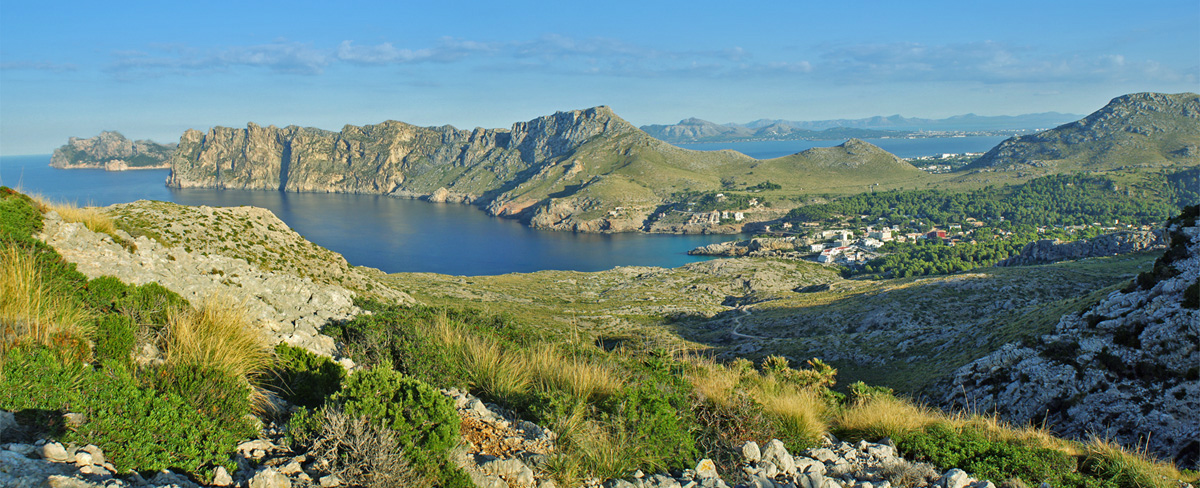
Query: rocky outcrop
[[113, 152], [290, 307], [1127, 368], [1141, 128], [1055, 250], [756, 247], [833, 465]]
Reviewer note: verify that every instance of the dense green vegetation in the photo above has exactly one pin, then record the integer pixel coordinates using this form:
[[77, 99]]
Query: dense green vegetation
[[930, 257], [615, 408], [1058, 200], [67, 345]]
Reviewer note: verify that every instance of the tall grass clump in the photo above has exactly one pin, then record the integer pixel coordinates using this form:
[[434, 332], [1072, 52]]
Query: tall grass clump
[[30, 311], [1129, 469], [217, 336], [95, 219], [580, 378]]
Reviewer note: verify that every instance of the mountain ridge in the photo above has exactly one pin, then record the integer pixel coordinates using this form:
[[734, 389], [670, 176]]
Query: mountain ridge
[[582, 170], [693, 129], [1147, 129]]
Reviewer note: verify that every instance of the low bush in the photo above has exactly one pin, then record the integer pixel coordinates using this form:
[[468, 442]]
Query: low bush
[[115, 338], [422, 418], [656, 415], [362, 453], [304, 378], [36, 377], [212, 392], [972, 450], [147, 430]]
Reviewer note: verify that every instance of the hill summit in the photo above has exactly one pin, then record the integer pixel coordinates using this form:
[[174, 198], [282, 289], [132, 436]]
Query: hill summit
[[1143, 129], [581, 170]]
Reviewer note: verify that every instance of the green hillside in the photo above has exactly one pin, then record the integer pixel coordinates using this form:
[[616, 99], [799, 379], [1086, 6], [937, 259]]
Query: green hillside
[[1140, 130]]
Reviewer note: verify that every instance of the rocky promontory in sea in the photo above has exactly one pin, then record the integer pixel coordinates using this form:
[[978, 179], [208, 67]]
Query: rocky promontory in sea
[[113, 152], [1126, 369], [582, 170]]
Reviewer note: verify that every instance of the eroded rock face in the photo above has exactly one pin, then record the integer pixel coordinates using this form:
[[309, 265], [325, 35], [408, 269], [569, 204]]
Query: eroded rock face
[[289, 307], [1054, 250], [113, 152], [391, 157], [1127, 368]]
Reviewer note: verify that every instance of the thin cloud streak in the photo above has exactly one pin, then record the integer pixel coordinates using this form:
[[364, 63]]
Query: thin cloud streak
[[866, 63]]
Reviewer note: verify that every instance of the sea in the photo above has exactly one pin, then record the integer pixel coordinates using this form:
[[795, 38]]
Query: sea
[[402, 236]]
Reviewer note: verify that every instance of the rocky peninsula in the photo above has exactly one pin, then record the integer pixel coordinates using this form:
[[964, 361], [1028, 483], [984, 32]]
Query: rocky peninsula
[[111, 151]]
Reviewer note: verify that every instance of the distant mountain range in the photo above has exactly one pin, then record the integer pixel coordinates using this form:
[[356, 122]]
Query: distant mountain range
[[698, 130]]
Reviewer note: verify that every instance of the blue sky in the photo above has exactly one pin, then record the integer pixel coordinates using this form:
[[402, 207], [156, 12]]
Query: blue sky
[[155, 69]]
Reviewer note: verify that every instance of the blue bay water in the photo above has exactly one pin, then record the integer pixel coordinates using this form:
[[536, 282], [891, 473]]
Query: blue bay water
[[400, 235], [905, 148], [392, 234]]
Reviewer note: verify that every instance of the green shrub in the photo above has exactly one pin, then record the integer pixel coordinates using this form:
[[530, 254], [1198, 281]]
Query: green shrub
[[304, 426], [424, 419], [653, 413], [115, 338], [143, 429], [419, 413], [860, 391], [304, 378], [104, 292], [971, 450], [150, 303], [211, 392], [35, 377]]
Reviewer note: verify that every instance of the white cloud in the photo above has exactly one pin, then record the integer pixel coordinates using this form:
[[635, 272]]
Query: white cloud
[[861, 63], [986, 62]]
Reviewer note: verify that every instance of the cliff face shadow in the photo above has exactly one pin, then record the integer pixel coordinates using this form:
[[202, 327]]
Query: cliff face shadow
[[285, 166]]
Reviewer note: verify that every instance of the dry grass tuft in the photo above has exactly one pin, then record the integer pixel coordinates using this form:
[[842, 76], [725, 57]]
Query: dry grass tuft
[[217, 336], [714, 382], [93, 218], [886, 416], [1132, 468], [583, 380], [491, 369], [30, 311], [801, 413]]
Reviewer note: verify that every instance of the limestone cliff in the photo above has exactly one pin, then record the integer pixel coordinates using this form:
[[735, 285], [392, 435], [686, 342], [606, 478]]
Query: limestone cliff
[[582, 170], [568, 171], [1127, 368], [112, 151], [391, 157]]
